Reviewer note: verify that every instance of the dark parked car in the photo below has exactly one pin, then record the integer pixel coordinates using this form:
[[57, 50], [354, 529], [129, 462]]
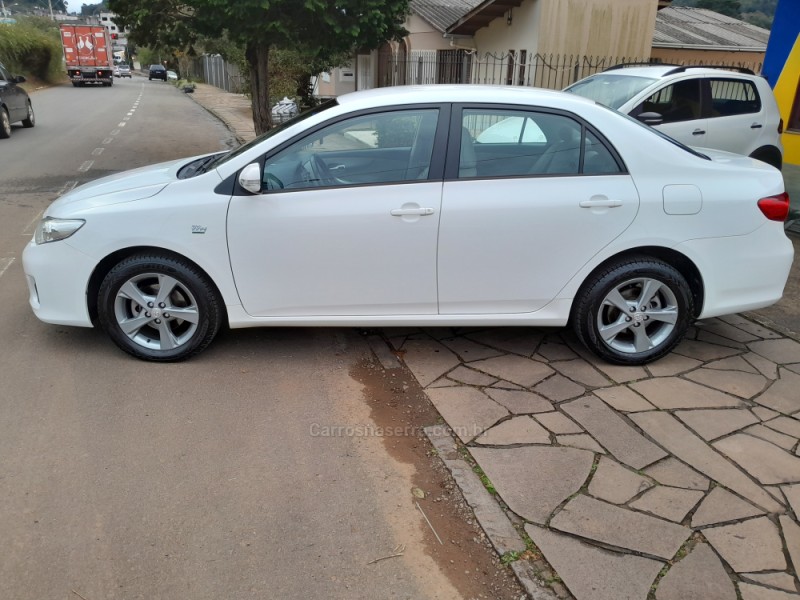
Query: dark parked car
[[157, 72], [15, 105]]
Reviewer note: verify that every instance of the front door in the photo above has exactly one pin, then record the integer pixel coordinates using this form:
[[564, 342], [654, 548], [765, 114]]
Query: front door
[[346, 223]]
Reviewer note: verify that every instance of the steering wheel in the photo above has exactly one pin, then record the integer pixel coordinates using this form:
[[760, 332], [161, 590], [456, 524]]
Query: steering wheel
[[321, 171]]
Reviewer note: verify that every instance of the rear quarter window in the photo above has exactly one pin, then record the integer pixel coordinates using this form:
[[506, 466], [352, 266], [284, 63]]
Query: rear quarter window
[[731, 97]]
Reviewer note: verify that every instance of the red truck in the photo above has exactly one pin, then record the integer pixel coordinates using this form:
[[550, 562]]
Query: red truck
[[87, 52]]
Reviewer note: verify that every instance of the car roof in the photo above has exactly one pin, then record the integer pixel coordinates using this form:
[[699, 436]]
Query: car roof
[[490, 94]]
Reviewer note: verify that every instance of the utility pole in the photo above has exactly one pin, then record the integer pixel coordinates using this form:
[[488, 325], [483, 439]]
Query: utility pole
[[2, 8], [49, 4]]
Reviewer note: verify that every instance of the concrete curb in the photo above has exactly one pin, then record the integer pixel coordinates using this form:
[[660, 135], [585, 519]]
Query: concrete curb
[[493, 520]]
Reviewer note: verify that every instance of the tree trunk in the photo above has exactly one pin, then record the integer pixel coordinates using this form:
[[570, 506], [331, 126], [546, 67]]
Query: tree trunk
[[257, 55]]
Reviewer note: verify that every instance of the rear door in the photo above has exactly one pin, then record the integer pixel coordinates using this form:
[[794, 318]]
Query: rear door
[[509, 242], [737, 118]]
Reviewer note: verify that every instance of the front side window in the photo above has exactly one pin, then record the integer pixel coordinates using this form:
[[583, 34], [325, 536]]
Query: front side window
[[499, 143], [3, 75], [388, 147], [733, 97], [675, 103]]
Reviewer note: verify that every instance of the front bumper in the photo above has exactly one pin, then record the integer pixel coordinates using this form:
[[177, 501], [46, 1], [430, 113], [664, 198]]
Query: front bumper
[[58, 276]]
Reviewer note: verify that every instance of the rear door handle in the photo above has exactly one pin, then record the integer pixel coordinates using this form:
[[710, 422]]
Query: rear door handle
[[756, 126], [698, 132], [404, 212], [604, 203]]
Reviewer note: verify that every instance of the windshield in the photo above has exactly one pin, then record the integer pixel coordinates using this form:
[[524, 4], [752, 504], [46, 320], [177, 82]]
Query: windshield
[[610, 90], [244, 148]]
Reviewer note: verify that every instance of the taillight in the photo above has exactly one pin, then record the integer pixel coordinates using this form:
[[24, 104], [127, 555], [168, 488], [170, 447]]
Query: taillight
[[780, 126], [775, 208]]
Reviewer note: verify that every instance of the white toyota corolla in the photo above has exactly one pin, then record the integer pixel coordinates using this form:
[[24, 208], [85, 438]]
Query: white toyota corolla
[[388, 207]]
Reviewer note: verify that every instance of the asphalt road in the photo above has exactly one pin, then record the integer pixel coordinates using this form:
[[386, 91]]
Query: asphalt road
[[121, 479]]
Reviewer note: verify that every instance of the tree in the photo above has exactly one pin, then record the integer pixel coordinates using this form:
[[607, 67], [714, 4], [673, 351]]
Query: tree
[[730, 8], [321, 29]]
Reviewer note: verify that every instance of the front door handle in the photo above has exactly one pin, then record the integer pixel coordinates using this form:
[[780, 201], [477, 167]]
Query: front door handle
[[699, 132], [405, 212], [756, 126], [601, 203]]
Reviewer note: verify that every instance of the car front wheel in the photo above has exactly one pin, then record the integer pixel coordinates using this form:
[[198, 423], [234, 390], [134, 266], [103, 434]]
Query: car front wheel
[[633, 311], [30, 120], [159, 308]]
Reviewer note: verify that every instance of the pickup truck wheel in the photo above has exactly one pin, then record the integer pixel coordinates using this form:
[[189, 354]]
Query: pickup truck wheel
[[5, 124], [159, 308], [30, 121]]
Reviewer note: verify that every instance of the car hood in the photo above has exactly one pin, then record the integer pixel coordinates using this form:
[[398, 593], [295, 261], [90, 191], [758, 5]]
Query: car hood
[[136, 184]]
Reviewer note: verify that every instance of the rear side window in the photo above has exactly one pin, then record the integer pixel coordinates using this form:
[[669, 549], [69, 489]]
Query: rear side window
[[733, 97], [508, 143]]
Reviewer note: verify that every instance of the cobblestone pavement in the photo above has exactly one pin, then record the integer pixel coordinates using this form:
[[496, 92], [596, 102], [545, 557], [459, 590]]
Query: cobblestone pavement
[[675, 481], [682, 475]]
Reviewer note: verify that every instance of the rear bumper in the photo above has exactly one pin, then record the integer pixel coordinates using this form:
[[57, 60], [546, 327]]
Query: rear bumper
[[742, 273]]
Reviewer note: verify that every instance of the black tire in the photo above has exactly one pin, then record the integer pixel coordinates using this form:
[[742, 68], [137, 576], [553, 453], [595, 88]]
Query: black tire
[[5, 124], [153, 333], [30, 121], [646, 331], [770, 155]]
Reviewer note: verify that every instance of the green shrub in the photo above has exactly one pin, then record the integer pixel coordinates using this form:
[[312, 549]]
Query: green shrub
[[30, 48]]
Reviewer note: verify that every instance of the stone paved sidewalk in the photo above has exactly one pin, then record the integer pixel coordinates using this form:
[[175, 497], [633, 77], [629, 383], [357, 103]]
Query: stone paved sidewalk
[[681, 477]]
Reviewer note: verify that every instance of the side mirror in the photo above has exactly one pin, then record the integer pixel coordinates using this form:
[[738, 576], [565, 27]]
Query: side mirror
[[19, 79], [650, 118], [250, 178]]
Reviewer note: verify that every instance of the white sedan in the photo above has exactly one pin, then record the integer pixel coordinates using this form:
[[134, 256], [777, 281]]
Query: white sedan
[[388, 207]]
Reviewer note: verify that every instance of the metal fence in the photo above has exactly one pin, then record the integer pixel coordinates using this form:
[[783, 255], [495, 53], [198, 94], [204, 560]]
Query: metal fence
[[217, 71], [514, 68]]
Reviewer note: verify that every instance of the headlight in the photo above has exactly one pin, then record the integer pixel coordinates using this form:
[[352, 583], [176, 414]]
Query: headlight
[[53, 230]]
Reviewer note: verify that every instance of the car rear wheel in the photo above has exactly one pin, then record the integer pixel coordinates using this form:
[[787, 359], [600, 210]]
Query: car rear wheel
[[5, 124], [159, 308], [634, 311], [30, 120]]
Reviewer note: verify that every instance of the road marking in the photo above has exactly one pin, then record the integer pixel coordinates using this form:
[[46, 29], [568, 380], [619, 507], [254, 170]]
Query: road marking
[[97, 151], [30, 226], [107, 141], [121, 124], [126, 119], [86, 166], [115, 132], [67, 187], [130, 113], [4, 264]]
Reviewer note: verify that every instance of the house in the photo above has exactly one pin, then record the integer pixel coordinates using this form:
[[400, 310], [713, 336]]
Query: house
[[697, 36], [504, 42], [782, 70]]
